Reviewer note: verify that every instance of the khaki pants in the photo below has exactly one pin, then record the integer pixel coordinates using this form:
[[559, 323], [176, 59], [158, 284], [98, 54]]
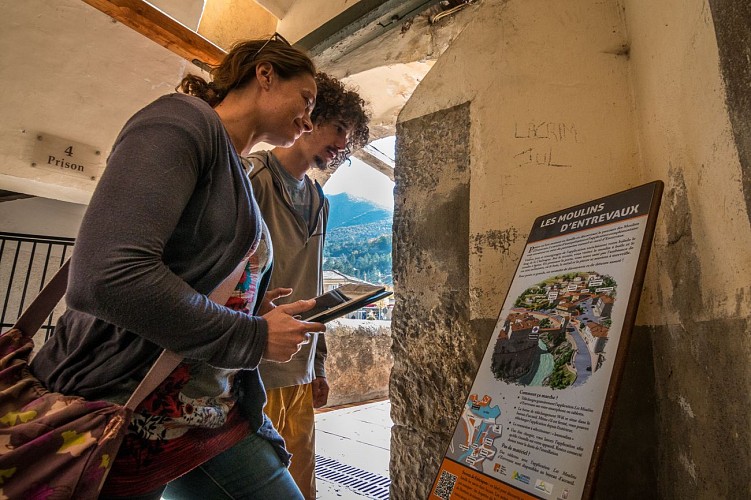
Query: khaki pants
[[291, 411]]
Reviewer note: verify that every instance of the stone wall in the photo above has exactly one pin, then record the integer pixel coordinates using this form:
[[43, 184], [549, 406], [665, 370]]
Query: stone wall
[[359, 360], [435, 347]]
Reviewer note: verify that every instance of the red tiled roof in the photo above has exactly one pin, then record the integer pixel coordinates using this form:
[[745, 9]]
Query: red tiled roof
[[597, 330]]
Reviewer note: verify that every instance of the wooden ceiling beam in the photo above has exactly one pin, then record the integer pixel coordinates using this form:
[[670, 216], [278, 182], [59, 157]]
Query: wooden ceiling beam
[[162, 29], [175, 36]]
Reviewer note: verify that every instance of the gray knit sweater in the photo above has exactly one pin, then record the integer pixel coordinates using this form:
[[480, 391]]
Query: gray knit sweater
[[171, 217]]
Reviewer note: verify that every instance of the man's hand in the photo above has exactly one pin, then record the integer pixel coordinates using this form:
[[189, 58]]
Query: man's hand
[[320, 392], [267, 303], [287, 334]]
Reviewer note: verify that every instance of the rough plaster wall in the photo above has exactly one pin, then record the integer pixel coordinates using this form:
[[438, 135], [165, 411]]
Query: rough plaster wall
[[553, 122], [552, 125], [70, 71], [430, 326], [697, 305]]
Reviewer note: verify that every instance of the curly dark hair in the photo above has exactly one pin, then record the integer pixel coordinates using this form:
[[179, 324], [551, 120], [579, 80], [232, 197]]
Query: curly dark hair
[[239, 67], [337, 102]]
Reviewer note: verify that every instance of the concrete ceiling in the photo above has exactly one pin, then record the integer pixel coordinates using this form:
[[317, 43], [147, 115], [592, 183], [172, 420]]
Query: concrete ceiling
[[278, 7], [71, 71], [382, 47]]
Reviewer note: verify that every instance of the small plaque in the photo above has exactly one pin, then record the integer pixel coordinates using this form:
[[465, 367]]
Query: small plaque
[[67, 157]]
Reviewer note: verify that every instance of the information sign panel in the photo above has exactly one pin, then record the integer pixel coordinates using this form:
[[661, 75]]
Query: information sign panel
[[539, 408]]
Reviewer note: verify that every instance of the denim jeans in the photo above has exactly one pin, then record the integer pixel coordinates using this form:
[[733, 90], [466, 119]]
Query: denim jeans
[[249, 470]]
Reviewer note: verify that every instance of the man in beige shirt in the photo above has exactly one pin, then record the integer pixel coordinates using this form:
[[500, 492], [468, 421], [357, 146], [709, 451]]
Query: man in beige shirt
[[296, 212]]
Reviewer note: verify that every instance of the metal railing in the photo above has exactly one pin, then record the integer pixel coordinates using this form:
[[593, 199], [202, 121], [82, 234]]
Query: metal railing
[[27, 263]]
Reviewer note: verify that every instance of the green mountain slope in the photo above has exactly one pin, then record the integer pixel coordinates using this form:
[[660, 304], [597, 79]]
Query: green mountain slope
[[358, 239]]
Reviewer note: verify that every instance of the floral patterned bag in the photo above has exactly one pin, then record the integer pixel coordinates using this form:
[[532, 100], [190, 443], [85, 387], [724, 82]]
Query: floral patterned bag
[[54, 446]]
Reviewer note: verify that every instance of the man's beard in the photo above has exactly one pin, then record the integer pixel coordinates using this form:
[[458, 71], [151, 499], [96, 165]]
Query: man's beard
[[321, 164]]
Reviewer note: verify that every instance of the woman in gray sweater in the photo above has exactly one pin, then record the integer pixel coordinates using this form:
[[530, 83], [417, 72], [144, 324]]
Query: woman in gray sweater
[[172, 216]]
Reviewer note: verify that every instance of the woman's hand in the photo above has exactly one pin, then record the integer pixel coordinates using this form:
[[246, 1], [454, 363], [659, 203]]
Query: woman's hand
[[287, 334], [267, 303]]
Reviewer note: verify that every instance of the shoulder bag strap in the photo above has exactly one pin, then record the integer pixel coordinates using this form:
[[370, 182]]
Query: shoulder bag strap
[[40, 308], [169, 360]]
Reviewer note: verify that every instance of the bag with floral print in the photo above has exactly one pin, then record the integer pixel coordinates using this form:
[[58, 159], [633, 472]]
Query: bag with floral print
[[51, 445], [54, 446]]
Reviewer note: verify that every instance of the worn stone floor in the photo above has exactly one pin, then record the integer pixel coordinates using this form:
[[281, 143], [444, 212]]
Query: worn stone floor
[[352, 445]]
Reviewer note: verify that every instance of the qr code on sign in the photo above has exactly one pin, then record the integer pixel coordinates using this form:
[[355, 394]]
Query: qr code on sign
[[445, 485]]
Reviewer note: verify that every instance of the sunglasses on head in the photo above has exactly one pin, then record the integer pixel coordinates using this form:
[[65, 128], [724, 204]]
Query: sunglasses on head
[[275, 36]]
